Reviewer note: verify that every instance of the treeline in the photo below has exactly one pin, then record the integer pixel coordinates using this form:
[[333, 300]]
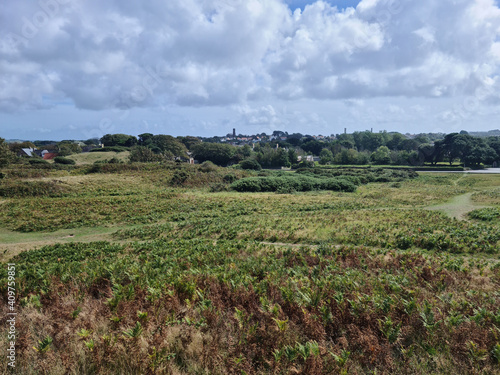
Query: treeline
[[358, 148]]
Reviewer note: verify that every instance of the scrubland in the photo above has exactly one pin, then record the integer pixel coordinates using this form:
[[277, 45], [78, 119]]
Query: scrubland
[[188, 276]]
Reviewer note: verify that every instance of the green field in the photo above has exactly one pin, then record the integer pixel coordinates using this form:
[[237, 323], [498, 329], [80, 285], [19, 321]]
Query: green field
[[165, 269]]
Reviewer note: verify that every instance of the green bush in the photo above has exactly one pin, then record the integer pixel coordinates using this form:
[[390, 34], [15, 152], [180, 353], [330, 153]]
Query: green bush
[[207, 166], [110, 148], [37, 161], [63, 160], [250, 164], [291, 183], [229, 178]]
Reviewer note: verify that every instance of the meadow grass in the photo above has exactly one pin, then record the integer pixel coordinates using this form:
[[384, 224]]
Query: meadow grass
[[92, 157]]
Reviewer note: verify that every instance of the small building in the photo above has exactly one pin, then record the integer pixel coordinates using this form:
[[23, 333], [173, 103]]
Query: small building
[[26, 152], [49, 155]]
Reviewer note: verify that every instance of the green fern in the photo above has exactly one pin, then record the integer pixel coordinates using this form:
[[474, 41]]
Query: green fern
[[44, 345], [134, 332]]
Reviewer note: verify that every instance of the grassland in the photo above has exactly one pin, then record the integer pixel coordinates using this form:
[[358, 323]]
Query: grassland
[[92, 157], [163, 269]]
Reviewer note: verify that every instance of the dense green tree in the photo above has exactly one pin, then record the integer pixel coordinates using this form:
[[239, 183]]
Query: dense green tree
[[326, 156], [65, 148], [145, 139], [142, 154], [409, 145], [292, 156], [189, 141], [368, 141], [313, 146], [479, 153], [381, 156], [350, 156], [119, 140], [92, 142], [250, 164], [166, 144], [395, 142], [283, 160], [220, 154]]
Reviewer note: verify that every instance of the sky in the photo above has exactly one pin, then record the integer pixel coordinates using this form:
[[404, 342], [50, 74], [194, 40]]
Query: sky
[[75, 69]]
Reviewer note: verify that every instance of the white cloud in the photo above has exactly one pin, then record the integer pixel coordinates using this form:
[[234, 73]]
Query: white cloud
[[118, 54]]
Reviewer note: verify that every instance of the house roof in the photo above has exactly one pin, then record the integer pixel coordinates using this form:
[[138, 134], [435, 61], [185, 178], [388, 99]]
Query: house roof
[[49, 155], [28, 151]]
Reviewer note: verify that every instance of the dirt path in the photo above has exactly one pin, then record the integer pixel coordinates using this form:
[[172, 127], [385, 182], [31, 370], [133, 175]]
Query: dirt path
[[457, 207]]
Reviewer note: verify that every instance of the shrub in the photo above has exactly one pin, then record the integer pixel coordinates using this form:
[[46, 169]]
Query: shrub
[[143, 154], [179, 177], [229, 178], [36, 161], [110, 148], [250, 164], [291, 183], [63, 160], [207, 166], [251, 184]]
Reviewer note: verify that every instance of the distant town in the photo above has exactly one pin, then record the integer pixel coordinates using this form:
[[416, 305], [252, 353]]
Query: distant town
[[279, 149]]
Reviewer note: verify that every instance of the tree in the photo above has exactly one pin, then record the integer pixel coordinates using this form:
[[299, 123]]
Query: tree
[[142, 154], [92, 141], [119, 140], [17, 147], [245, 151], [145, 139], [479, 153], [292, 156], [220, 154], [283, 160], [368, 141], [395, 142], [326, 156], [6, 156], [189, 141], [313, 147], [65, 148], [250, 164], [381, 156], [350, 156], [169, 145]]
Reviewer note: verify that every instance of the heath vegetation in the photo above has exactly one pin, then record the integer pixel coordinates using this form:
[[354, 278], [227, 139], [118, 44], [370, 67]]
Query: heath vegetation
[[211, 270]]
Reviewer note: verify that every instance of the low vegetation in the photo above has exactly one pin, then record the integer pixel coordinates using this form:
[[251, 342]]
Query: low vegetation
[[197, 277]]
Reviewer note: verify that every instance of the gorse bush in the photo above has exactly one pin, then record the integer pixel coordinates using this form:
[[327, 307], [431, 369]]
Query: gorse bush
[[38, 162], [63, 160], [293, 183], [251, 164], [286, 183]]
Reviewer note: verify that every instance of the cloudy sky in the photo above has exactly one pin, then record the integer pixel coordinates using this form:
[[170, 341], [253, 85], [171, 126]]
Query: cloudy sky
[[79, 69]]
